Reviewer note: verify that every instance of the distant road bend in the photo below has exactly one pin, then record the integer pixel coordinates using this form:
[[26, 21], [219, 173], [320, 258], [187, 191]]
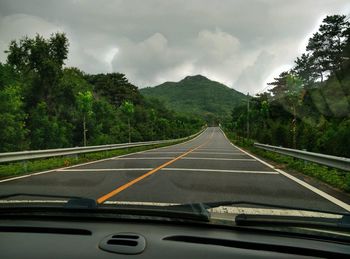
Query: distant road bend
[[207, 168]]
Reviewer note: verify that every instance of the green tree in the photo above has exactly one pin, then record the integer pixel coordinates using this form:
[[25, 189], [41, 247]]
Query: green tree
[[304, 68], [280, 85], [39, 63], [115, 87], [12, 119], [294, 98], [128, 109], [326, 46], [85, 102], [47, 131]]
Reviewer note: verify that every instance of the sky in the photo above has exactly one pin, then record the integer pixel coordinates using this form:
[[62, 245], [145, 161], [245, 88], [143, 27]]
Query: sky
[[241, 43]]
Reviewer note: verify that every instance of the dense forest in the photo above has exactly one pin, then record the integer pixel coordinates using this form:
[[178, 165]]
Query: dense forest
[[198, 95], [45, 104], [308, 107]]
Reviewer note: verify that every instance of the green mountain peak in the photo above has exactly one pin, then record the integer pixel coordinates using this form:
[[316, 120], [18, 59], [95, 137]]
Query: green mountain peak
[[197, 95]]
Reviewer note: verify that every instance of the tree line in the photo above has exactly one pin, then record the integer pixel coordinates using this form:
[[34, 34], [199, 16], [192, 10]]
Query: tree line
[[308, 106], [45, 104]]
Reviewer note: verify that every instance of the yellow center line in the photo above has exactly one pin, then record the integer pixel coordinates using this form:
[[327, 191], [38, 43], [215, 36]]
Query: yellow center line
[[127, 185]]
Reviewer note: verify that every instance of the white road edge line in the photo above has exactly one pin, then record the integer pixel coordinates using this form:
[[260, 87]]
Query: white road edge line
[[92, 162], [218, 170], [315, 190], [302, 183], [105, 169]]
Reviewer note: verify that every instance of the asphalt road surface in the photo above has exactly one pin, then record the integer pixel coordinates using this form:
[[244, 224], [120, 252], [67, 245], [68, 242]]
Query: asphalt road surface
[[207, 168]]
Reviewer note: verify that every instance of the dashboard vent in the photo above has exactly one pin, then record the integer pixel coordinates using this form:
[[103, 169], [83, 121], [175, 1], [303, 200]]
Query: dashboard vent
[[123, 243]]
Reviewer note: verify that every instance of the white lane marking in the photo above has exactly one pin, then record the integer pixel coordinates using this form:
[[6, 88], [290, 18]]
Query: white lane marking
[[315, 190], [198, 152], [215, 158], [218, 170], [302, 183], [216, 150], [143, 158], [106, 169], [92, 162], [256, 158], [165, 152], [237, 210], [218, 153]]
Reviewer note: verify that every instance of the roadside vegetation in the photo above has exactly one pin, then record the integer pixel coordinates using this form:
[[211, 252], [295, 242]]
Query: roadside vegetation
[[45, 104], [331, 176], [308, 106]]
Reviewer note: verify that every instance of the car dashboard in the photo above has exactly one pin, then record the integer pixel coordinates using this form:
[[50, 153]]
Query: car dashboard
[[58, 238]]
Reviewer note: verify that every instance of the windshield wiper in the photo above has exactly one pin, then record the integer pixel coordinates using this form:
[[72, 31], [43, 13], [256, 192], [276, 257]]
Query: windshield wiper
[[194, 212], [295, 221], [75, 202], [210, 205], [343, 221]]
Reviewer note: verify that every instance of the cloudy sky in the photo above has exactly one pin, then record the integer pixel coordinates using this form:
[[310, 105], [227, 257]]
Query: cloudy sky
[[241, 43]]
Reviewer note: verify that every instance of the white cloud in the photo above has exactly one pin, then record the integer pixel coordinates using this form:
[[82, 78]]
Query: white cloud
[[19, 25], [217, 45], [251, 77], [239, 43], [146, 61]]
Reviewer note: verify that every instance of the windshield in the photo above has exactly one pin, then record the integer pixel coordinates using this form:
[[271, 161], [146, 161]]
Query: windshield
[[208, 107]]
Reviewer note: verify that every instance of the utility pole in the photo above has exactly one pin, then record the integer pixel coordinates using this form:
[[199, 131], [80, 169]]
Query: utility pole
[[248, 117]]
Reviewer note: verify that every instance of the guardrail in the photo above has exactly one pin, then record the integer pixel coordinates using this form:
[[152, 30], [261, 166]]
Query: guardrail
[[328, 160], [35, 154]]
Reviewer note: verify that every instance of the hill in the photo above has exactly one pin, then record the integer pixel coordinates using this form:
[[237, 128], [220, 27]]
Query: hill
[[197, 95]]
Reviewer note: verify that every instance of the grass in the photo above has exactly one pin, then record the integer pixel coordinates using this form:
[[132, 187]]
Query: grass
[[31, 166], [333, 177]]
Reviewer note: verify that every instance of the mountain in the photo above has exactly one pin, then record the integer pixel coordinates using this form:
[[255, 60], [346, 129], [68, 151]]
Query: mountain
[[197, 95]]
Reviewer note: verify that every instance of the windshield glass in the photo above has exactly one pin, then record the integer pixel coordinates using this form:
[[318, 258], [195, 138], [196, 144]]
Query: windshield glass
[[219, 107]]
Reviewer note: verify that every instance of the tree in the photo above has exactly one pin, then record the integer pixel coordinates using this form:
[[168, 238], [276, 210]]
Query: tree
[[294, 98], [264, 111], [326, 46], [46, 105], [85, 101], [12, 119], [305, 69], [39, 63], [115, 87], [47, 131], [128, 109], [334, 29], [280, 85]]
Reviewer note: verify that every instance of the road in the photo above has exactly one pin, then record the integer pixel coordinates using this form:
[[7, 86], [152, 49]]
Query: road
[[207, 168]]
